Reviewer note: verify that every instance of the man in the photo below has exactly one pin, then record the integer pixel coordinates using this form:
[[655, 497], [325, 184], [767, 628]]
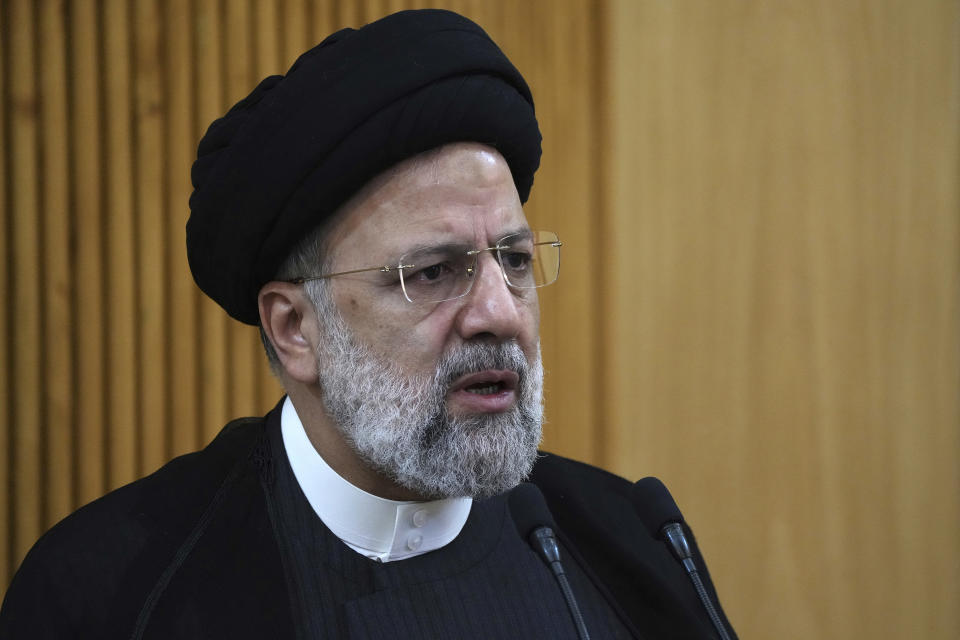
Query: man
[[365, 211]]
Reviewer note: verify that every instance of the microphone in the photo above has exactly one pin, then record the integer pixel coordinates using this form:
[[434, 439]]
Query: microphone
[[662, 517], [535, 525]]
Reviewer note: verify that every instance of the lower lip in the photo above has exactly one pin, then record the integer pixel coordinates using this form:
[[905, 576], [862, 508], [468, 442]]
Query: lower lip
[[465, 402]]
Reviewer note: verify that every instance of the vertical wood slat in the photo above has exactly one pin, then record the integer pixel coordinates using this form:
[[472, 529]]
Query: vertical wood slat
[[181, 313], [122, 345], [322, 24], [238, 81], [295, 29], [6, 422], [266, 40], [349, 14], [213, 329], [26, 284], [89, 329], [150, 264], [58, 383]]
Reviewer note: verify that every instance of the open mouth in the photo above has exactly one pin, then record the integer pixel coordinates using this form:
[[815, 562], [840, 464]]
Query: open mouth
[[486, 382], [481, 389], [488, 391]]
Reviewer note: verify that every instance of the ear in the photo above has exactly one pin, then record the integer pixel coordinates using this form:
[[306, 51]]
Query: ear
[[290, 323]]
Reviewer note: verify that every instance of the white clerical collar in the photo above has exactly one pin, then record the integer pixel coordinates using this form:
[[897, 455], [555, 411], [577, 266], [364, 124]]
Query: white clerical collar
[[378, 528]]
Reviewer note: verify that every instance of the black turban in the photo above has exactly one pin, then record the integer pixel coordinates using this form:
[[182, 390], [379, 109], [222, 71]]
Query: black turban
[[286, 156]]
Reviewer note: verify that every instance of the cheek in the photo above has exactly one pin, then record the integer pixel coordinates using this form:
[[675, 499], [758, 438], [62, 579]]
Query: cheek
[[369, 324], [427, 340], [535, 315], [531, 317], [414, 345]]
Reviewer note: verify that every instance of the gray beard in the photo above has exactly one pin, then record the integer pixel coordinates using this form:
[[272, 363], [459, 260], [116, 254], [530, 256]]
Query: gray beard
[[399, 425]]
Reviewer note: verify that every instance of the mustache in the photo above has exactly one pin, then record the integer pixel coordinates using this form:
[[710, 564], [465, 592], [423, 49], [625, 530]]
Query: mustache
[[478, 356]]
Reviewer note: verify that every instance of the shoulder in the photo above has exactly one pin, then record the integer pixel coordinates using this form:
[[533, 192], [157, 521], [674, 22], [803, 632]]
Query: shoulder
[[557, 471], [113, 549], [173, 495], [575, 488]]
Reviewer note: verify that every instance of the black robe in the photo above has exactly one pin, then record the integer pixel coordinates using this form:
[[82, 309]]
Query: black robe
[[202, 549]]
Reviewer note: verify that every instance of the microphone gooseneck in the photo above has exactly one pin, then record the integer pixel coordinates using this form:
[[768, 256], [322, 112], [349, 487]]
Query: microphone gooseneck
[[662, 517], [535, 525]]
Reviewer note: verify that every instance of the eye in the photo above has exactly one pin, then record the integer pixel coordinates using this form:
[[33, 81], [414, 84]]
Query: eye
[[431, 273], [516, 260]]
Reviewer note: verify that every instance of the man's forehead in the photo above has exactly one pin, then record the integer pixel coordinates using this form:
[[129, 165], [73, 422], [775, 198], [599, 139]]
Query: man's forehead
[[460, 163], [461, 193]]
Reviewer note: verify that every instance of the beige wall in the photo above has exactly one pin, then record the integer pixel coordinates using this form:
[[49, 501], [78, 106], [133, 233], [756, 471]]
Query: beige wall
[[759, 301], [781, 326]]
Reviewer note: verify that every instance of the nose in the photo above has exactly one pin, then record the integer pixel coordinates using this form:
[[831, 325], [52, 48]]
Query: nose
[[492, 309]]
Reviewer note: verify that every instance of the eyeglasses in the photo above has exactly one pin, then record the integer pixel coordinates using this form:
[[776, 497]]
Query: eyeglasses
[[527, 260]]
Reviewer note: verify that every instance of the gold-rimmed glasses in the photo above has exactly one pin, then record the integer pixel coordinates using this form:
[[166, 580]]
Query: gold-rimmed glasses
[[528, 260]]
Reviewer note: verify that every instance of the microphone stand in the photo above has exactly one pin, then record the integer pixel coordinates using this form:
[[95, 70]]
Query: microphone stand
[[677, 541], [544, 542]]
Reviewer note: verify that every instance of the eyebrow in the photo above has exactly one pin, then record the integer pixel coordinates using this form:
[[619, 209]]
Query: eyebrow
[[524, 232], [447, 247]]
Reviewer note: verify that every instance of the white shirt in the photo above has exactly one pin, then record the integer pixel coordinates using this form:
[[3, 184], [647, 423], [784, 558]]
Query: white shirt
[[378, 528]]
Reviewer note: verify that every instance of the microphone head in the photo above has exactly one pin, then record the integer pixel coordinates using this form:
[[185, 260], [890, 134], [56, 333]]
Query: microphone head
[[654, 505], [529, 509]]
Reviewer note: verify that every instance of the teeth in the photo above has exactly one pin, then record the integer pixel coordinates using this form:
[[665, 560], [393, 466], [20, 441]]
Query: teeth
[[484, 390]]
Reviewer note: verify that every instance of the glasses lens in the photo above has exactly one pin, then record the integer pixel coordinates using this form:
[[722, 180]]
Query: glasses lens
[[435, 275], [530, 260]]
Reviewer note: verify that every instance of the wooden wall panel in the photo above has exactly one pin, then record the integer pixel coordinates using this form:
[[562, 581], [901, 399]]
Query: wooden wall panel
[[152, 271], [123, 393], [6, 406], [120, 361], [782, 325], [88, 334], [57, 391], [26, 286]]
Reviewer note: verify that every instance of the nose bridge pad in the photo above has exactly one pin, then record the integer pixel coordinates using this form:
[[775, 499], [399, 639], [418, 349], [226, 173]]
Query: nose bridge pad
[[475, 272], [470, 273]]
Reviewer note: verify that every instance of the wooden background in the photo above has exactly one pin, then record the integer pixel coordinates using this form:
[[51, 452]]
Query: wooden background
[[759, 301]]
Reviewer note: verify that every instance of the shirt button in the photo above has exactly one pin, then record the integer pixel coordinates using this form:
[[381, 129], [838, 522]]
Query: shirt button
[[419, 518], [413, 542]]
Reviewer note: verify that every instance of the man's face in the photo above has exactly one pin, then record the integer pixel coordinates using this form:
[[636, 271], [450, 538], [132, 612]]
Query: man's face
[[463, 195], [443, 397]]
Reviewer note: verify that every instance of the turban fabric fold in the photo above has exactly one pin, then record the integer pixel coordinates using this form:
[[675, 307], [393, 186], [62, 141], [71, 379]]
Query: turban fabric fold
[[286, 156]]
